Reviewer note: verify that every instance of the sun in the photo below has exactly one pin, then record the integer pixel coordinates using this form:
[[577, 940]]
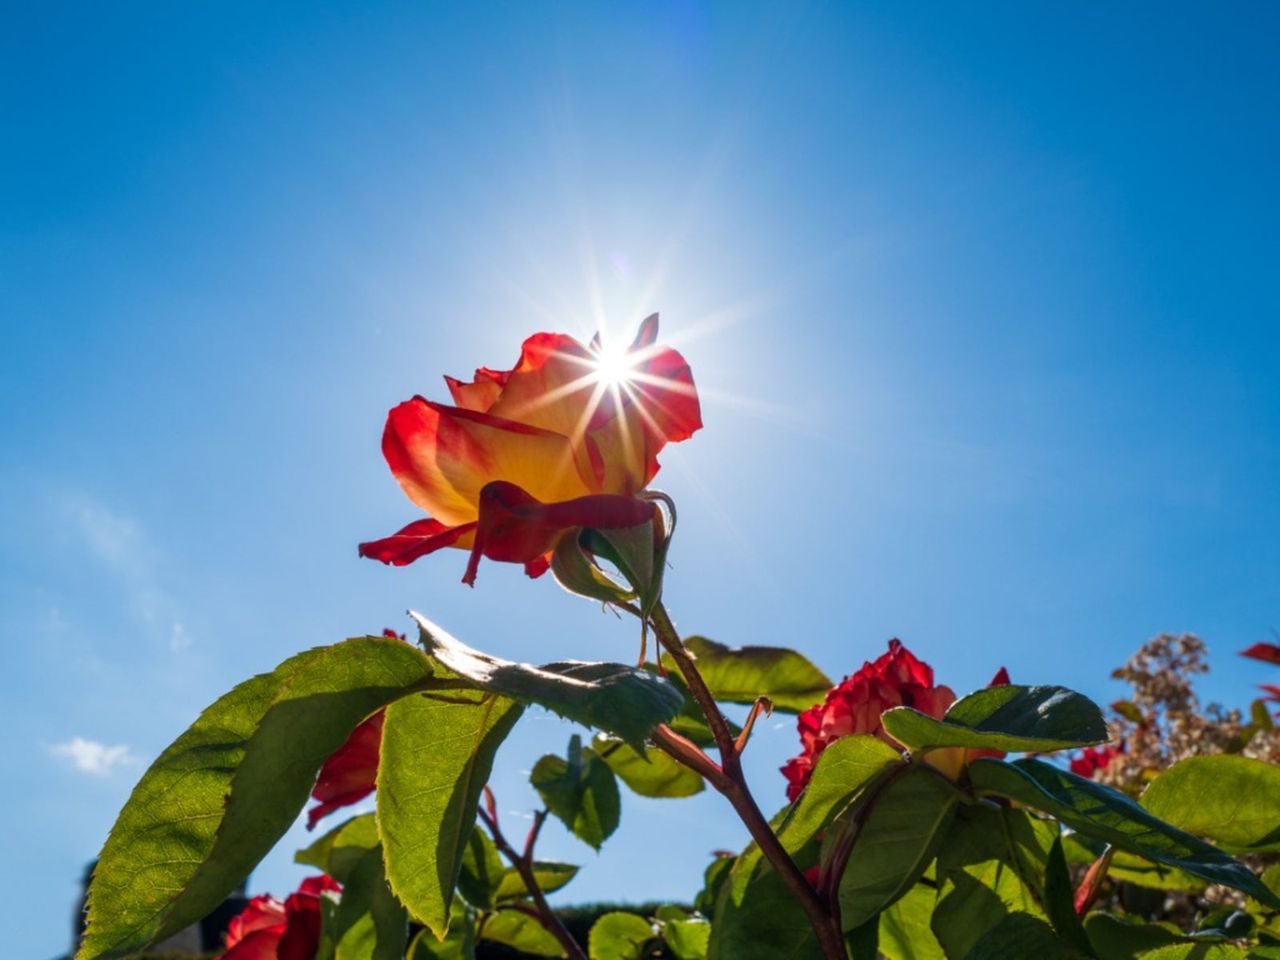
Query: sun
[[613, 364]]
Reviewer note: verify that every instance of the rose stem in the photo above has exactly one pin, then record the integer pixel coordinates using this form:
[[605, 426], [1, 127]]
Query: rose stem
[[523, 862], [728, 779]]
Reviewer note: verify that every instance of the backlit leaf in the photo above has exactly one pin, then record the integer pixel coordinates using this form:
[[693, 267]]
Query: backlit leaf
[[741, 674]]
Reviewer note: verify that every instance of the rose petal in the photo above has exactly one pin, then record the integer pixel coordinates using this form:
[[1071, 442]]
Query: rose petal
[[481, 393], [349, 775], [516, 527], [263, 912], [1266, 652], [417, 540], [443, 456], [260, 945]]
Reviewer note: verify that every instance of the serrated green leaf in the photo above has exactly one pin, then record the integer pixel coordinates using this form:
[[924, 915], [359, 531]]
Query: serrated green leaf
[[989, 866], [216, 801], [742, 674], [905, 933], [896, 838], [651, 774], [1019, 937], [437, 751], [1112, 817], [1010, 718], [369, 923], [686, 937], [713, 879], [581, 791], [1059, 899], [482, 872], [619, 936], [520, 932], [340, 850], [459, 944], [627, 701], [1232, 800], [550, 877]]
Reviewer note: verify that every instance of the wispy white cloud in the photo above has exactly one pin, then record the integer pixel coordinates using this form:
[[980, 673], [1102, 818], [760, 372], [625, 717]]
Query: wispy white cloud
[[120, 544], [89, 756]]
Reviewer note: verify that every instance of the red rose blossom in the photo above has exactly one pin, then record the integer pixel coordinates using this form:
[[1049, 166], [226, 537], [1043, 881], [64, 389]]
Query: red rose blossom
[[270, 930], [1093, 759], [567, 438], [896, 679]]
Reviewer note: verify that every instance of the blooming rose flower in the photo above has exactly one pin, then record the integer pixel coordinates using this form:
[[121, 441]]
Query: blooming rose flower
[[896, 679], [270, 930], [564, 439], [351, 772], [1093, 759]]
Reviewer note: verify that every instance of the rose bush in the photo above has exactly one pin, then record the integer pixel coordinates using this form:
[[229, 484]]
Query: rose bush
[[920, 825]]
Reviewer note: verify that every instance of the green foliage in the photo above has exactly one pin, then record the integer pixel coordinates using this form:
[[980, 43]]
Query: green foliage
[[482, 871], [1232, 800], [1010, 718], [1112, 817], [1020, 937], [369, 922], [905, 931], [742, 674], [548, 875], [521, 932], [459, 944], [581, 791], [227, 789], [437, 751], [339, 851], [894, 837], [686, 935], [619, 936], [626, 701], [649, 774]]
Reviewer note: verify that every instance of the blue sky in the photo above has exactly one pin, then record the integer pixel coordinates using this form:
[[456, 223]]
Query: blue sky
[[983, 305]]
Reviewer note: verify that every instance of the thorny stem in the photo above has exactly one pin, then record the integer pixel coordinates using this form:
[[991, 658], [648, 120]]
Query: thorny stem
[[727, 778], [523, 863]]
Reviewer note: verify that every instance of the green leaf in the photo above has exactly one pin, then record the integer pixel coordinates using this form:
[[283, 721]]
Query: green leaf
[[576, 572], [460, 944], [651, 774], [1197, 951], [763, 922], [1059, 899], [989, 866], [1112, 817], [340, 850], [520, 932], [482, 872], [1010, 718], [369, 923], [1232, 800], [894, 843], [437, 751], [741, 674], [216, 801], [1081, 849], [619, 936], [686, 937], [713, 880], [550, 876], [626, 701], [905, 933], [581, 791], [1018, 937], [1114, 938]]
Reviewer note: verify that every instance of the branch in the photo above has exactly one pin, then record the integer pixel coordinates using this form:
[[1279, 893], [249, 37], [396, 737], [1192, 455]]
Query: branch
[[728, 779], [523, 863]]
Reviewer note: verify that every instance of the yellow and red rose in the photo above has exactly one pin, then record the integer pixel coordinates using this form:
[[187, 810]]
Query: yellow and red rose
[[565, 439]]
